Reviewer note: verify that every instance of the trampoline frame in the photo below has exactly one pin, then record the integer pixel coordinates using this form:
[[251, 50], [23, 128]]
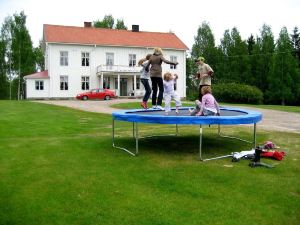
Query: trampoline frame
[[135, 131]]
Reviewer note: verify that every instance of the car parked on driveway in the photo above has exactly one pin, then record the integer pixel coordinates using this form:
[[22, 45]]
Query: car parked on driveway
[[98, 93]]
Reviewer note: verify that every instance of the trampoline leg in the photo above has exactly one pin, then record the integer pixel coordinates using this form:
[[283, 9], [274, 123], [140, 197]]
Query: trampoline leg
[[124, 149], [176, 129], [254, 136], [200, 143], [133, 135], [136, 139]]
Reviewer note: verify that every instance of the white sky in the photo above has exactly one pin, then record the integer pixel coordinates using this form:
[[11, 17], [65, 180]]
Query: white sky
[[181, 17]]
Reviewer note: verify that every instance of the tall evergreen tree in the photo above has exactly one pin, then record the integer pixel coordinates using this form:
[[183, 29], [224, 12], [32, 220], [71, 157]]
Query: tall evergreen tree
[[296, 44], [205, 45], [265, 57], [284, 79], [235, 61]]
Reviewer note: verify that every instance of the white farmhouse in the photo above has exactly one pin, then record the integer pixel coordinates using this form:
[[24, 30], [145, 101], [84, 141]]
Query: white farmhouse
[[78, 59]]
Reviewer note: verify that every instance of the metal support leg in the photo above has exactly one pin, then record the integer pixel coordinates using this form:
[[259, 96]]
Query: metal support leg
[[254, 136], [200, 143], [232, 137], [135, 136], [176, 129]]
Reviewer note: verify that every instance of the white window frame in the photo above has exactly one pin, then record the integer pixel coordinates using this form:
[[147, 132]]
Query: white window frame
[[63, 83], [85, 83], [64, 58], [132, 60], [109, 60], [173, 58], [85, 59], [39, 85]]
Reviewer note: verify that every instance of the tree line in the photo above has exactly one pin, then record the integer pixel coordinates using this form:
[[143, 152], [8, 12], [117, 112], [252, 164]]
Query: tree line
[[272, 66]]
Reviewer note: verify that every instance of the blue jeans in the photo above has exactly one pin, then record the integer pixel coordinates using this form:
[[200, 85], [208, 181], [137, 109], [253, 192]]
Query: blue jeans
[[147, 87]]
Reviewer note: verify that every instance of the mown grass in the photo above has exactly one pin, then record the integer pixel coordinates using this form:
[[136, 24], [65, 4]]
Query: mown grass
[[58, 166]]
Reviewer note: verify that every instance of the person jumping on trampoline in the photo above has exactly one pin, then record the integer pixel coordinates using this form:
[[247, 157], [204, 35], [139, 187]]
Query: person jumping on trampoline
[[169, 92], [208, 106], [156, 76], [145, 77]]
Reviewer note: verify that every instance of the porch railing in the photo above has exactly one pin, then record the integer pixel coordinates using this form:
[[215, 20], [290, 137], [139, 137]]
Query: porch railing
[[118, 68]]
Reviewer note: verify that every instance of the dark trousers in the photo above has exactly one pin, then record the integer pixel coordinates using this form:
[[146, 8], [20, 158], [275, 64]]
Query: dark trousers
[[147, 87], [157, 82], [200, 94]]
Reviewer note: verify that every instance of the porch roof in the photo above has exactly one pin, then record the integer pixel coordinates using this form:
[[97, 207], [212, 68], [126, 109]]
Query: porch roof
[[38, 75]]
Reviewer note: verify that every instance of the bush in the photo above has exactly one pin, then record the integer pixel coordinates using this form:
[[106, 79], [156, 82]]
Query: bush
[[237, 93]]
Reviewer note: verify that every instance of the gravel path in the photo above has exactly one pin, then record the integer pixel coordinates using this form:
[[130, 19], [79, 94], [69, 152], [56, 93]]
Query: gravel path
[[272, 120]]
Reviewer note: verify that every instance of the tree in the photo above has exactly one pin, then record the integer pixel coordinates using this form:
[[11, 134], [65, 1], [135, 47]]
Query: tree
[[284, 79], [120, 25], [205, 46], [3, 71], [5, 58], [39, 56], [234, 64], [296, 44], [107, 22], [23, 62], [265, 57]]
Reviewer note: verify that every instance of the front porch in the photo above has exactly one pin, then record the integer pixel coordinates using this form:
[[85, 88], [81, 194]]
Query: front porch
[[125, 80]]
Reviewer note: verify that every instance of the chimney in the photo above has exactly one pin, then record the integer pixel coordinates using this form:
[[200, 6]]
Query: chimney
[[135, 28], [87, 24]]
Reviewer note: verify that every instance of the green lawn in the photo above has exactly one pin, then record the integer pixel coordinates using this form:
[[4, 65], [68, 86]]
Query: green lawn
[[58, 166]]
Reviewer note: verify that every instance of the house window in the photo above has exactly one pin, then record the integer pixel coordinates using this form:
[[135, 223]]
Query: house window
[[109, 60], [64, 83], [85, 59], [173, 59], [39, 85], [85, 83], [132, 60], [64, 58]]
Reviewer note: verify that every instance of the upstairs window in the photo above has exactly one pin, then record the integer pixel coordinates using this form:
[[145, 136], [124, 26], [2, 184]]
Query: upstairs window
[[39, 85], [109, 59], [173, 59], [64, 58], [85, 59], [132, 60], [64, 83]]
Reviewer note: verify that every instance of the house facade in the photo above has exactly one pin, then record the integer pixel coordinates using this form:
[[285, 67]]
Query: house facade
[[78, 59]]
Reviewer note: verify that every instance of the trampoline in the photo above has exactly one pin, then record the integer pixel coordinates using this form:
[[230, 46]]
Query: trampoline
[[228, 116]]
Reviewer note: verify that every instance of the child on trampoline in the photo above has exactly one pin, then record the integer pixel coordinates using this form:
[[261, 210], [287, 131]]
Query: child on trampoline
[[170, 93], [208, 105], [145, 77]]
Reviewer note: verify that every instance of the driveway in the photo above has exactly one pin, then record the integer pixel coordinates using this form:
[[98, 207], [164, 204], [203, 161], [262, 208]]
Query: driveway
[[272, 120]]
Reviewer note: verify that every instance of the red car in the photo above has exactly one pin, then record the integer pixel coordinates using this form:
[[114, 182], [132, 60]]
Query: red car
[[105, 94]]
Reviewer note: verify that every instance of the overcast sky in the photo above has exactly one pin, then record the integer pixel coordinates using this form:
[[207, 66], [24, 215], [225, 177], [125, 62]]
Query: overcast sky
[[181, 17]]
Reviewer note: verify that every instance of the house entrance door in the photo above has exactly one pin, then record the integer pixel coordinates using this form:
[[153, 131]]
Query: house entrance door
[[123, 87]]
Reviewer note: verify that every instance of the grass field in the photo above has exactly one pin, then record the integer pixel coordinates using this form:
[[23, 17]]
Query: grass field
[[58, 166]]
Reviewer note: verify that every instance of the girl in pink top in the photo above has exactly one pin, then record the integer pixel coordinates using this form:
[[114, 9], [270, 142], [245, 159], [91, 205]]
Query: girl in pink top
[[208, 106]]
